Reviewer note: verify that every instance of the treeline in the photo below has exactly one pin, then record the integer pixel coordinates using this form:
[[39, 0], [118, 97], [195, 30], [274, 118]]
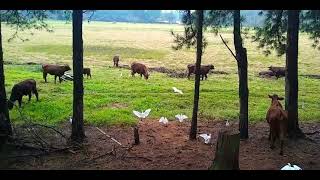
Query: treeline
[[151, 16], [135, 16]]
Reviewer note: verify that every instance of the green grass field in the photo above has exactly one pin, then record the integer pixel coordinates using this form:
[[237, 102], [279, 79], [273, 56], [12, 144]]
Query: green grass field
[[110, 98]]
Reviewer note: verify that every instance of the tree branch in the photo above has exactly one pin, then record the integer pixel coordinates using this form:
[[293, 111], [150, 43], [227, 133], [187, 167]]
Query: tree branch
[[228, 47], [109, 136]]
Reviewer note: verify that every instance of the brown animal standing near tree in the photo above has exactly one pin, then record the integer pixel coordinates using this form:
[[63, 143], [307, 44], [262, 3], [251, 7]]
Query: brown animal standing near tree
[[116, 60], [23, 88], [277, 119], [87, 71], [140, 69], [204, 70], [55, 70]]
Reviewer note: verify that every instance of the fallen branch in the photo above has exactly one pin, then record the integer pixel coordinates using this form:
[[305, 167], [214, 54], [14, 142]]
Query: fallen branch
[[49, 127], [228, 47], [109, 136], [112, 152]]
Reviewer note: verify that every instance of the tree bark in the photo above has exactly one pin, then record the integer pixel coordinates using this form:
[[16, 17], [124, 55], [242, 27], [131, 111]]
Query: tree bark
[[193, 130], [77, 123], [227, 151], [5, 125], [241, 54], [291, 79]]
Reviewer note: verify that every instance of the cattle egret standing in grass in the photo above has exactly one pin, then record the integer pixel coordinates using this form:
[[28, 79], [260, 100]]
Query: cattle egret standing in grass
[[121, 75], [291, 167], [163, 120], [70, 120], [142, 115], [206, 137], [181, 117], [175, 90]]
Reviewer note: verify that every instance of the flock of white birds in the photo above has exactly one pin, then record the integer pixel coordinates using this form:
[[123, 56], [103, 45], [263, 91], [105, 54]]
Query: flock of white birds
[[181, 117]]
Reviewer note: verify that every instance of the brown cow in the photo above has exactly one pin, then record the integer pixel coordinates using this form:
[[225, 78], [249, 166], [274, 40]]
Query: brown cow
[[140, 69], [278, 71], [116, 60], [87, 71], [204, 70], [277, 119], [55, 70], [23, 88]]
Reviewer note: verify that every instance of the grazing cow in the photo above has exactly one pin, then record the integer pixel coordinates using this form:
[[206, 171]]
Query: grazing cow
[[116, 60], [140, 69], [87, 71], [23, 88], [277, 119], [204, 70], [278, 71], [55, 70]]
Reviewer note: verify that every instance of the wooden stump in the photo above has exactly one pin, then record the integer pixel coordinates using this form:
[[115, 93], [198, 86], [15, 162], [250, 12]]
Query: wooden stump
[[136, 135], [227, 151]]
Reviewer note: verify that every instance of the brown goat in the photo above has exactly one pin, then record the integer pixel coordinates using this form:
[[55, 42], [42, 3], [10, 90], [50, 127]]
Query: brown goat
[[277, 119], [87, 71], [116, 60], [140, 69], [55, 70], [23, 88], [278, 71], [204, 70]]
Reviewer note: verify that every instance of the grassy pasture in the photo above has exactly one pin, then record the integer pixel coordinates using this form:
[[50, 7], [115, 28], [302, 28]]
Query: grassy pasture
[[110, 98]]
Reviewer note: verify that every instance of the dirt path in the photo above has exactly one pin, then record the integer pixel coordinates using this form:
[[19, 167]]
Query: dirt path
[[169, 148]]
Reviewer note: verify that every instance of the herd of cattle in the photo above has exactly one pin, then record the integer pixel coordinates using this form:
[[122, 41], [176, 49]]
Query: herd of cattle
[[276, 117]]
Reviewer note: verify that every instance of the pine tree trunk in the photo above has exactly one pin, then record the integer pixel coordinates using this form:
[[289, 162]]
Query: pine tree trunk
[[241, 54], [291, 88], [77, 124], [193, 130], [5, 125], [227, 151]]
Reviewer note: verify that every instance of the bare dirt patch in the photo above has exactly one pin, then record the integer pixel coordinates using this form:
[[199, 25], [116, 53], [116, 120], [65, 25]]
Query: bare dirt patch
[[169, 148], [117, 105]]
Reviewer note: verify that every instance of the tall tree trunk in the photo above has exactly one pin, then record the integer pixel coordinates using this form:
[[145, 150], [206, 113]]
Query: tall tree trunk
[[291, 89], [77, 123], [241, 54], [193, 130], [5, 125]]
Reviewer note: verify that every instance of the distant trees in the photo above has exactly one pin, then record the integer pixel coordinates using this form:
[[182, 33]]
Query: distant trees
[[137, 16]]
